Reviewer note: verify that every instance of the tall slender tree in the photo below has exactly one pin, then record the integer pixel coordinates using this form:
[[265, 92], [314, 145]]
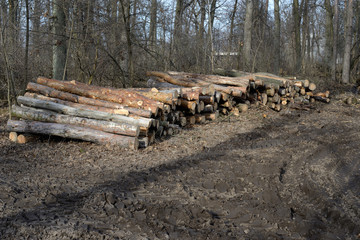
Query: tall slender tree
[[348, 42], [335, 37], [296, 29], [248, 34], [59, 32], [277, 36]]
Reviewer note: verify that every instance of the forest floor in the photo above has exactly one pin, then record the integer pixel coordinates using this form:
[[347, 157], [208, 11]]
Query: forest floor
[[262, 175]]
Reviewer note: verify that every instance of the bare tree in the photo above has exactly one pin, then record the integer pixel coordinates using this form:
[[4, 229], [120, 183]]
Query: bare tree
[[277, 36], [248, 34], [59, 47], [335, 37], [348, 42], [328, 33]]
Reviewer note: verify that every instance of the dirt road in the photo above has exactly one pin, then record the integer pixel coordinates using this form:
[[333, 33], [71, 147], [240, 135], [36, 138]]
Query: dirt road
[[291, 175]]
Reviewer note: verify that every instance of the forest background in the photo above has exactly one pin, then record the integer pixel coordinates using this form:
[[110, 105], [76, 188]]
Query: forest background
[[114, 42]]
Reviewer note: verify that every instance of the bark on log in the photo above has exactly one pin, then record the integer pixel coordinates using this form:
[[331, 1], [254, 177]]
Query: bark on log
[[242, 81], [121, 96], [75, 132], [212, 116], [191, 105], [168, 98], [143, 122], [49, 116], [155, 82], [321, 99], [51, 92], [123, 112], [192, 82]]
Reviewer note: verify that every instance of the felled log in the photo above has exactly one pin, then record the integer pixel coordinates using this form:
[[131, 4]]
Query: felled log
[[49, 116], [321, 99], [211, 116], [192, 82], [77, 105], [122, 96], [154, 82], [191, 105], [168, 97], [142, 122], [13, 136], [216, 79], [70, 131], [200, 118], [325, 94], [230, 73], [51, 92]]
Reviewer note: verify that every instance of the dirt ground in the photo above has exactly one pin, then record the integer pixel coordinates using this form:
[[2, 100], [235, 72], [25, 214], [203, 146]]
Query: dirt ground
[[288, 175]]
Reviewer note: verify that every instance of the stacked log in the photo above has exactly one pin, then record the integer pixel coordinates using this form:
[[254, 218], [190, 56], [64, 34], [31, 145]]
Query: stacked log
[[220, 96], [130, 118], [135, 117], [276, 92]]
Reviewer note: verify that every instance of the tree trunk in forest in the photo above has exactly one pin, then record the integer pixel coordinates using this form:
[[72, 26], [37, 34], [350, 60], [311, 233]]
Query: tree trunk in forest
[[296, 29], [27, 36], [277, 37], [305, 33], [212, 9], [348, 42], [153, 24], [70, 131], [248, 34], [335, 39], [231, 34], [328, 33], [59, 47], [41, 115], [202, 52], [178, 31], [126, 13]]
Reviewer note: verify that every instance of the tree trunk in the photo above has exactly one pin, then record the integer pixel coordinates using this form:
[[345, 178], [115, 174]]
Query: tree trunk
[[335, 38], [56, 107], [126, 13], [49, 116], [153, 23], [27, 36], [51, 92], [296, 29], [328, 33], [348, 42], [231, 34], [178, 31], [59, 47], [248, 34], [70, 131], [277, 37]]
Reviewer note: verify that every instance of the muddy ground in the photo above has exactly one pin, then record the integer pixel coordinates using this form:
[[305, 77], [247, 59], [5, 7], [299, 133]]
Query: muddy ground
[[288, 175]]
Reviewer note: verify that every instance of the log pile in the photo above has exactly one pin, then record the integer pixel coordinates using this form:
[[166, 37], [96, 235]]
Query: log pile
[[276, 92], [131, 118], [260, 88], [135, 117]]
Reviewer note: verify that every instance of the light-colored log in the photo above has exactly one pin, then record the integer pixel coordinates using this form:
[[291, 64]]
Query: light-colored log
[[56, 107], [122, 96], [70, 131], [53, 93], [49, 116]]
